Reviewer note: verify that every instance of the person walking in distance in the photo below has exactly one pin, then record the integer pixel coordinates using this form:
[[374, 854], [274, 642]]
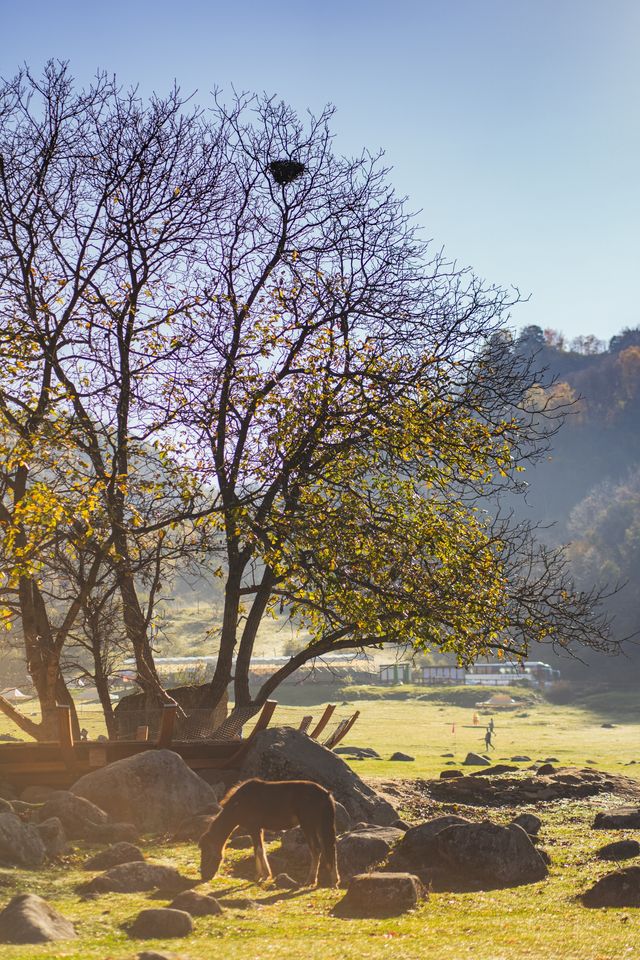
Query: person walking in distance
[[487, 739]]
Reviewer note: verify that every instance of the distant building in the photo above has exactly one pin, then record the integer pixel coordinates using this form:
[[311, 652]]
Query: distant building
[[499, 674], [391, 673], [442, 674]]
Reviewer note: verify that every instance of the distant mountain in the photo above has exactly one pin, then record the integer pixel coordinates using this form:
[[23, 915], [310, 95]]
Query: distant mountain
[[589, 485]]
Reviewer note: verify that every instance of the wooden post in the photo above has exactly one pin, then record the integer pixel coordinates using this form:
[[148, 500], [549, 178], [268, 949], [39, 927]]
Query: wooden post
[[65, 730], [167, 722], [323, 721], [65, 735], [142, 732]]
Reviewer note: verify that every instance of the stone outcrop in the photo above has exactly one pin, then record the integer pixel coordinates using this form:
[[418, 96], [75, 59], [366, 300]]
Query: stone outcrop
[[30, 919], [155, 790], [135, 877], [161, 923], [464, 855], [122, 852], [20, 843], [618, 889], [78, 816], [618, 818], [380, 895], [282, 753]]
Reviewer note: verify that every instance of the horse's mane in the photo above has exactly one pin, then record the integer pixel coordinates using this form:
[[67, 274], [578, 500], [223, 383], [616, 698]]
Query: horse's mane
[[231, 792]]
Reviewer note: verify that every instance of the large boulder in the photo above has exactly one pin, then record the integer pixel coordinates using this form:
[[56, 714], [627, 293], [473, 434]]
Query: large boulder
[[135, 877], [53, 835], [29, 919], [618, 818], [155, 790], [489, 855], [415, 849], [282, 753], [160, 923], [380, 895], [618, 889], [113, 856], [476, 760], [357, 851], [453, 853], [529, 823], [619, 850], [196, 904], [79, 817], [360, 850], [20, 843]]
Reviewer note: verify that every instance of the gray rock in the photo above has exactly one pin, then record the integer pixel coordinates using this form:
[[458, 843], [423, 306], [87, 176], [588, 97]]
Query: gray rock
[[155, 790], [476, 760], [29, 919], [401, 756], [53, 835], [450, 774], [122, 852], [520, 759], [415, 849], [380, 895], [546, 770], [154, 955], [160, 923], [489, 854], [495, 770], [197, 904], [529, 823], [361, 850], [619, 850], [135, 877], [618, 889], [618, 818], [20, 843], [78, 816], [363, 752], [281, 753], [240, 903]]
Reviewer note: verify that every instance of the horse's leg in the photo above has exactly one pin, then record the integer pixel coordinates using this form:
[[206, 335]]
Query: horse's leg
[[263, 870], [329, 855], [313, 842]]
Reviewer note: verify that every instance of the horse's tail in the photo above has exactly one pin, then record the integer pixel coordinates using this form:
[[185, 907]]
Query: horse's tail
[[328, 852]]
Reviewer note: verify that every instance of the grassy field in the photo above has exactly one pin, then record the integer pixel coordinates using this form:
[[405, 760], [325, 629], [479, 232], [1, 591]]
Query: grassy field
[[426, 729], [542, 920]]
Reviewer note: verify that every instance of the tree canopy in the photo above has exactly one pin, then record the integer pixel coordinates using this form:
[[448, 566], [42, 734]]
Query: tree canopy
[[223, 340]]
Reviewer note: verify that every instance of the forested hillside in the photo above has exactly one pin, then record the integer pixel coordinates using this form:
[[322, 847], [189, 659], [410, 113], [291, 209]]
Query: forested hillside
[[589, 485]]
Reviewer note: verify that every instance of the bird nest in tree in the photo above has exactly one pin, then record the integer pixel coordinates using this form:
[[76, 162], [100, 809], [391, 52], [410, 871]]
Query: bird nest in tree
[[285, 171]]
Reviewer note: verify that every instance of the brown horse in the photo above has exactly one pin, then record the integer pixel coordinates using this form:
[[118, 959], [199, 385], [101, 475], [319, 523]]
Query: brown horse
[[258, 805]]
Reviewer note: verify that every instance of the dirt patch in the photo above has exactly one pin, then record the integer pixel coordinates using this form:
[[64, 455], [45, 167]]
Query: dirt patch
[[419, 799]]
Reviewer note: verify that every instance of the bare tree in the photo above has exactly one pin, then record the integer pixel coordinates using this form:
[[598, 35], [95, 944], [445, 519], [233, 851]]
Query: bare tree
[[357, 409]]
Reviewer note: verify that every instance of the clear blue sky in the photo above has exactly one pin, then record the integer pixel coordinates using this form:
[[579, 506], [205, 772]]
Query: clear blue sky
[[514, 125]]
